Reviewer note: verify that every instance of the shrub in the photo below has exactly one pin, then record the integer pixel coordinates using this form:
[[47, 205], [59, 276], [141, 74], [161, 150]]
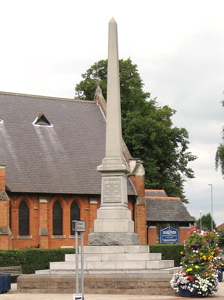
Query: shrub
[[32, 259], [168, 251]]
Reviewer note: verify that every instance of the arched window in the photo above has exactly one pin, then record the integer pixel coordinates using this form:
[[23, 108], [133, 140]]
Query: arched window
[[74, 214], [57, 218], [24, 218]]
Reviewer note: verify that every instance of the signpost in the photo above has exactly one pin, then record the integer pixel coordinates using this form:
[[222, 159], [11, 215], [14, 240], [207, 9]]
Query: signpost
[[169, 235], [79, 226]]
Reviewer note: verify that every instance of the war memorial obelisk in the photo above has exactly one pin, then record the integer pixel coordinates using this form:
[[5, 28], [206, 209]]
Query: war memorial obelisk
[[113, 225]]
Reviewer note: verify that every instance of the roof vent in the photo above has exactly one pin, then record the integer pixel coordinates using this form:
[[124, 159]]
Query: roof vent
[[1, 121], [41, 120]]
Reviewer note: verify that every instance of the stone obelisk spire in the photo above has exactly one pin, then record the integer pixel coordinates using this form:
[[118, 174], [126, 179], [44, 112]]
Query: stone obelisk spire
[[114, 157], [113, 225]]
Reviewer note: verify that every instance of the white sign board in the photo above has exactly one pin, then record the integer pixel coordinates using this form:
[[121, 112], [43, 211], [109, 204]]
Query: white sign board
[[79, 226], [77, 297]]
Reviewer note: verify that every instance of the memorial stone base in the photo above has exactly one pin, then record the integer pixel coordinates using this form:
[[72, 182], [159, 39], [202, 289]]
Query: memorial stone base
[[113, 227], [113, 239]]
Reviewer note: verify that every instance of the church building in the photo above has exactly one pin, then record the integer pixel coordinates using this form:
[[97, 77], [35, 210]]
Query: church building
[[49, 154]]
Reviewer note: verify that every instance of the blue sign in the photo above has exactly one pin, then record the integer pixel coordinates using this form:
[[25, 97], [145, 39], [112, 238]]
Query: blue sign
[[169, 235]]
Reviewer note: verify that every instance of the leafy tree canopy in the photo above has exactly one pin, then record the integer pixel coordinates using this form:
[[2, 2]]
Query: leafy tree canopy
[[205, 222], [147, 128], [219, 157]]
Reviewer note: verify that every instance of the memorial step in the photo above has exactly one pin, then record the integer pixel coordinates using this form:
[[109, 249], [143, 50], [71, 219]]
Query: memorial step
[[112, 265], [116, 249], [113, 257], [108, 272]]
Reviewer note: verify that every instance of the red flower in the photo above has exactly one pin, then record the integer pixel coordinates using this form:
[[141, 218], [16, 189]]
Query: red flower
[[190, 277]]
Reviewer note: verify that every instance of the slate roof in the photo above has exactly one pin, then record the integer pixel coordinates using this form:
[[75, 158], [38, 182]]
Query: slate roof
[[165, 209], [155, 193], [62, 158]]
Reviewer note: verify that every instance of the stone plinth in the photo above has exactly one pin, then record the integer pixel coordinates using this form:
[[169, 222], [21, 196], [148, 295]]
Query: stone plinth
[[113, 238], [134, 284]]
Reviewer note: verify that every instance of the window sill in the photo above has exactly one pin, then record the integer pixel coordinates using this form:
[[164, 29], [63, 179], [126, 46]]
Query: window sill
[[58, 236], [24, 237], [73, 236]]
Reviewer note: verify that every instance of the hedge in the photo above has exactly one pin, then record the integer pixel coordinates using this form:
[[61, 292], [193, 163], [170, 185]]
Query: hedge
[[32, 259], [168, 252]]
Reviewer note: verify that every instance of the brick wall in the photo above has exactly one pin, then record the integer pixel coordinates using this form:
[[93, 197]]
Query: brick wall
[[140, 208], [41, 220], [152, 235], [182, 233], [139, 184], [41, 224], [5, 232], [140, 223], [93, 206], [2, 178], [4, 205]]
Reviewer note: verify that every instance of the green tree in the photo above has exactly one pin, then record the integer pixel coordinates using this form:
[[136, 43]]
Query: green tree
[[147, 128], [205, 221], [219, 157], [132, 95]]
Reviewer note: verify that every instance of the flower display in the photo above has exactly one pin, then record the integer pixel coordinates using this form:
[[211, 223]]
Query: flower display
[[200, 264], [203, 285]]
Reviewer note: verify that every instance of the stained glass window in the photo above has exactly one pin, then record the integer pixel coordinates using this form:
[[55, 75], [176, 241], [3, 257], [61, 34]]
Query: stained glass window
[[57, 218], [74, 214], [24, 218]]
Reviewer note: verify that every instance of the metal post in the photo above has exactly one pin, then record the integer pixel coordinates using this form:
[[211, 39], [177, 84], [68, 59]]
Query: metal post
[[80, 226], [77, 262], [82, 266], [211, 206]]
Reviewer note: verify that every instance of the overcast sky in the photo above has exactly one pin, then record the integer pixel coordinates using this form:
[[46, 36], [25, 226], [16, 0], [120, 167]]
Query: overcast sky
[[177, 45]]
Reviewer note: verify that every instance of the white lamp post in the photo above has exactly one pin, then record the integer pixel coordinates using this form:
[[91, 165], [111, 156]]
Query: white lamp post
[[200, 220], [211, 205]]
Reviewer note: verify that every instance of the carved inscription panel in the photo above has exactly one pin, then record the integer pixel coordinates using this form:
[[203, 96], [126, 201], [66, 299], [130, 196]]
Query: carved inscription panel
[[112, 190]]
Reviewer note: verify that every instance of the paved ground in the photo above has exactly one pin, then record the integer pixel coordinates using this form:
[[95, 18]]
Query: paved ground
[[14, 295]]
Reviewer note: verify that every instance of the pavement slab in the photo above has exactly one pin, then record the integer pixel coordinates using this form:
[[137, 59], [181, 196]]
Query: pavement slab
[[14, 295]]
